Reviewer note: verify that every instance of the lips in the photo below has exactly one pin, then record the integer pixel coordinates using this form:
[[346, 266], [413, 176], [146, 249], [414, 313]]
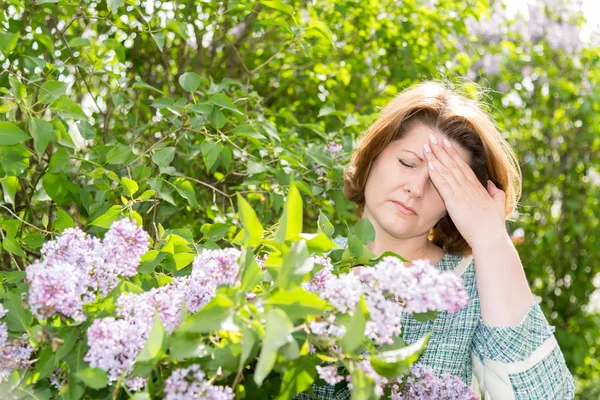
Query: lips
[[403, 207]]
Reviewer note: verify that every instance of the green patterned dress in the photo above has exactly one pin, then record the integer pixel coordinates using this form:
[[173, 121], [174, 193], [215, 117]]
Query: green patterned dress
[[501, 363]]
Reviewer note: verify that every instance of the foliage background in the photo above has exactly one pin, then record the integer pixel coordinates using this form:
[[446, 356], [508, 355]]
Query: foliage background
[[165, 109]]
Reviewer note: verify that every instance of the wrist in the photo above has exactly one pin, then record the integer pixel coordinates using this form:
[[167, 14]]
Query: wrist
[[489, 241]]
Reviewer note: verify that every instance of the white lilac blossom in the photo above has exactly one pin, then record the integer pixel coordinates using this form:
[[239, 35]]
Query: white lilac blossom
[[423, 384], [333, 148], [191, 383], [318, 170], [343, 292], [76, 266], [329, 374], [327, 328]]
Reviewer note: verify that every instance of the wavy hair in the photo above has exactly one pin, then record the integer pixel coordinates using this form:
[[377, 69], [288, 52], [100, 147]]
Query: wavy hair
[[459, 118]]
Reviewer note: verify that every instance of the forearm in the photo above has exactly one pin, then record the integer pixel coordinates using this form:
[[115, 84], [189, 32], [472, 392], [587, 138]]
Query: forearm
[[504, 293]]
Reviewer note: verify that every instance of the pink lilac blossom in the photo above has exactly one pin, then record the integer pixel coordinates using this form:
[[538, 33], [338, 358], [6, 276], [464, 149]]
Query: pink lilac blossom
[[191, 383], [318, 170], [317, 282], [14, 354], [423, 384], [124, 244], [76, 266], [333, 148], [115, 343], [329, 374]]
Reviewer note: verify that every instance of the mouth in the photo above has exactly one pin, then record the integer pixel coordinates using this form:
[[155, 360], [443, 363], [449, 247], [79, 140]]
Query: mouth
[[404, 209]]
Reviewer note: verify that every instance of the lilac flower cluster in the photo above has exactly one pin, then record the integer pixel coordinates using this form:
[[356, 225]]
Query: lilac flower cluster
[[191, 383], [327, 328], [14, 354], [317, 281], [391, 288], [329, 374], [115, 343], [76, 266], [423, 384], [333, 148]]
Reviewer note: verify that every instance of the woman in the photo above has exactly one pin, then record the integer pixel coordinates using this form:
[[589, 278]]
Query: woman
[[438, 181]]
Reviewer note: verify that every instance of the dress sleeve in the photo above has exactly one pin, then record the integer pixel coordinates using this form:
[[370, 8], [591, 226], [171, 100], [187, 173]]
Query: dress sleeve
[[521, 362]]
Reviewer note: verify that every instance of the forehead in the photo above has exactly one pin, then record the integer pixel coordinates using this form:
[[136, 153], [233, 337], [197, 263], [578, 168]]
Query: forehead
[[417, 136]]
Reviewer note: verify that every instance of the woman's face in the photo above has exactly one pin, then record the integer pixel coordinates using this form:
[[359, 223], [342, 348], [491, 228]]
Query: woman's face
[[400, 174]]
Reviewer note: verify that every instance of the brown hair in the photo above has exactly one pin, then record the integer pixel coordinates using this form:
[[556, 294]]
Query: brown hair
[[459, 118]]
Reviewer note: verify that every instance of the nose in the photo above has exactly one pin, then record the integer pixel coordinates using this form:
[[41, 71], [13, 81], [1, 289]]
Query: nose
[[417, 185]]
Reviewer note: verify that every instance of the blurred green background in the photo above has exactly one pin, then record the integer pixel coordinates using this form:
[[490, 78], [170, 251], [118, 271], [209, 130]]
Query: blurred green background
[[197, 100]]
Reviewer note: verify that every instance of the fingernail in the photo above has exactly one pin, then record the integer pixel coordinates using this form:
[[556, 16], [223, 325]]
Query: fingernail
[[489, 181], [427, 148], [431, 167], [433, 139], [447, 144]]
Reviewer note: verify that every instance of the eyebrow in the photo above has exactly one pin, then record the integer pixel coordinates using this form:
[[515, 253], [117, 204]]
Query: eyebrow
[[416, 155]]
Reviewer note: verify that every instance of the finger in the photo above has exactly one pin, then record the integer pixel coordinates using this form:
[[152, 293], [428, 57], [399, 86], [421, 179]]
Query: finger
[[462, 165], [441, 177], [447, 156]]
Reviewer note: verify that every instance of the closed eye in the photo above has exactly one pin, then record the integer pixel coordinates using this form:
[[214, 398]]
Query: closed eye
[[405, 164]]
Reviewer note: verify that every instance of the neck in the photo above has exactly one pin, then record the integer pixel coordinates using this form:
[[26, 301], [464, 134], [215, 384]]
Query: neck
[[410, 248]]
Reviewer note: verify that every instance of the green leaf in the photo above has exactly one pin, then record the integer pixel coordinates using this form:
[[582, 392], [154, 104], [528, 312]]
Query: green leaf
[[182, 260], [320, 156], [298, 303], [324, 225], [95, 378], [279, 6], [55, 186], [86, 130], [249, 270], [67, 108], [119, 154], [253, 229], [79, 42], [62, 221], [41, 132], [190, 81], [296, 264], [278, 332], [215, 232], [291, 221], [8, 42], [130, 186], [106, 219], [255, 168], [10, 185], [11, 134], [297, 378], [393, 363], [364, 231], [51, 90], [17, 318], [363, 387], [321, 28], [163, 157], [216, 118], [179, 28], [426, 316], [318, 242], [117, 47], [250, 342], [156, 343], [143, 85], [211, 317], [355, 331], [186, 190], [58, 161], [13, 247], [221, 100], [159, 39], [18, 89]]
